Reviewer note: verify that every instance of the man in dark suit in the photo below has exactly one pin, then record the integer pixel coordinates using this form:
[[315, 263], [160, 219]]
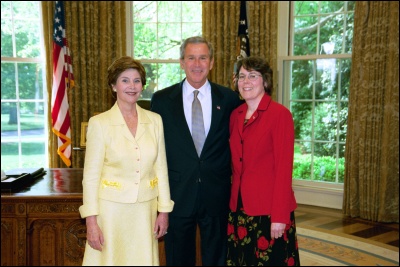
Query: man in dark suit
[[199, 175]]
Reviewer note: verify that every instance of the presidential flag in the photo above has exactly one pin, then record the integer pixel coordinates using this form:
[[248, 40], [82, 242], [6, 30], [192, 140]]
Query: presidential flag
[[243, 33], [63, 80], [243, 46]]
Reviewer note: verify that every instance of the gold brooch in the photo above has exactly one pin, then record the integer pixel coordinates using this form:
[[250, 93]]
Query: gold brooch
[[105, 183], [153, 183]]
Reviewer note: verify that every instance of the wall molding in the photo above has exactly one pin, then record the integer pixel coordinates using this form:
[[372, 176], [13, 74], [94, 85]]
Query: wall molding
[[310, 194]]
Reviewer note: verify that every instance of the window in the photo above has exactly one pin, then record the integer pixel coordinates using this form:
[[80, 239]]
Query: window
[[23, 98], [315, 78], [159, 27]]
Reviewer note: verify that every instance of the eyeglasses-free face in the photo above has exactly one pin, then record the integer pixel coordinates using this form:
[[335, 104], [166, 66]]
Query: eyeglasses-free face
[[251, 77]]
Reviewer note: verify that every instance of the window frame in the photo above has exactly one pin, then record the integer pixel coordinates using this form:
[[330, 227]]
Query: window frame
[[19, 138], [319, 193]]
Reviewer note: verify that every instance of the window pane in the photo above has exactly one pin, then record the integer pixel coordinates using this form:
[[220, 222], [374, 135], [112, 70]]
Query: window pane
[[325, 122], [144, 11], [27, 38], [8, 78], [32, 120], [348, 33], [187, 9], [330, 6], [6, 35], [305, 38], [325, 81], [26, 10], [9, 121], [169, 40], [302, 117], [302, 161], [345, 67], [9, 155], [302, 79], [306, 8], [169, 74], [33, 154], [159, 76], [30, 82], [151, 80], [145, 45], [324, 166], [191, 29], [167, 8]]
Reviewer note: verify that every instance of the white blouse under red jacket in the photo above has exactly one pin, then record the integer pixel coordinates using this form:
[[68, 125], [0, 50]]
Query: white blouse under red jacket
[[262, 160]]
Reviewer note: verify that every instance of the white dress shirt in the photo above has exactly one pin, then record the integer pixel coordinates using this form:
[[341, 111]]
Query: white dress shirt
[[204, 97]]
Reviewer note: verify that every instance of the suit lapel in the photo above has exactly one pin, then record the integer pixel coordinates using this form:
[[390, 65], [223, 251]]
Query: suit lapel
[[117, 120], [180, 119], [240, 119], [142, 121], [217, 113]]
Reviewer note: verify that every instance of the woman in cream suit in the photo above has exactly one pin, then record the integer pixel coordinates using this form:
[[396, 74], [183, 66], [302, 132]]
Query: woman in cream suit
[[126, 196]]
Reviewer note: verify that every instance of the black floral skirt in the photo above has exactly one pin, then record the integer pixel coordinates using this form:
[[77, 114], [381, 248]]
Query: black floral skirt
[[250, 242]]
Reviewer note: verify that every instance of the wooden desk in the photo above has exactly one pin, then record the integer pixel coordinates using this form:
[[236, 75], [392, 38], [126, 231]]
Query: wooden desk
[[41, 224]]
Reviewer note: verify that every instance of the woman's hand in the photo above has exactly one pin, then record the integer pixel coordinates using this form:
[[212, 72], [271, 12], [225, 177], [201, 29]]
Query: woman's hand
[[161, 226], [94, 235], [277, 229]]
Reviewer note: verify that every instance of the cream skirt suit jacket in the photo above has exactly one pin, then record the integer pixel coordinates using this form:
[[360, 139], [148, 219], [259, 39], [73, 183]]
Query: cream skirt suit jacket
[[125, 183]]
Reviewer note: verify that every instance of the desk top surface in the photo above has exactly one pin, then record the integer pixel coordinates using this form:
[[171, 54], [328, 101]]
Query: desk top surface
[[56, 182]]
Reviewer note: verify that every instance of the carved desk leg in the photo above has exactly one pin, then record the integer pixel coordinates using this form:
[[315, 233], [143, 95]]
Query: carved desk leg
[[13, 234]]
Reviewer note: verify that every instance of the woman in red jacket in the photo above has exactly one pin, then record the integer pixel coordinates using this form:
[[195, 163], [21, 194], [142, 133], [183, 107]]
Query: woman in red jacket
[[261, 226]]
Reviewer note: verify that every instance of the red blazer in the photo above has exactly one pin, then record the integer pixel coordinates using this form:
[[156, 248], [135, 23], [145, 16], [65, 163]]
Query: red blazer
[[262, 160]]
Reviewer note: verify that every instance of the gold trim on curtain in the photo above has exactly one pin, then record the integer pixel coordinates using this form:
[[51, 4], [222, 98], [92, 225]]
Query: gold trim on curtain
[[371, 186], [96, 34], [220, 27]]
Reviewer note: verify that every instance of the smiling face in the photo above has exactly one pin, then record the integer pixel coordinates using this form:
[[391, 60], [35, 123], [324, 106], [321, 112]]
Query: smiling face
[[250, 84], [197, 64], [128, 86]]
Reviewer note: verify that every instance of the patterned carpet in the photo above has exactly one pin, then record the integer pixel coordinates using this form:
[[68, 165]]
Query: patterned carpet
[[327, 248]]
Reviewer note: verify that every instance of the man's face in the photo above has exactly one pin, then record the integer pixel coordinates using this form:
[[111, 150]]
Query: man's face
[[196, 64]]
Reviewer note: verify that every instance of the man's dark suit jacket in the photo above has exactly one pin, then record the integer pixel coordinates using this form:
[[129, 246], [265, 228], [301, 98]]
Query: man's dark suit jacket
[[212, 171]]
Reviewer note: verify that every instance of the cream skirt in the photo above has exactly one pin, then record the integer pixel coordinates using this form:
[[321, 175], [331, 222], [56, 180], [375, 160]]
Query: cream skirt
[[128, 235]]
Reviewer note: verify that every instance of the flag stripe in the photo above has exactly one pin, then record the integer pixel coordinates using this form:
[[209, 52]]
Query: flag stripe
[[62, 81]]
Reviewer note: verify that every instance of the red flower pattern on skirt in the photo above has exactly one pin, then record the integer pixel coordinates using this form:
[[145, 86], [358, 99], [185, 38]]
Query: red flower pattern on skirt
[[262, 243]]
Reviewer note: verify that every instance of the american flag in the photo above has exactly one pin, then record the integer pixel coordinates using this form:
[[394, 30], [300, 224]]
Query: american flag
[[63, 79]]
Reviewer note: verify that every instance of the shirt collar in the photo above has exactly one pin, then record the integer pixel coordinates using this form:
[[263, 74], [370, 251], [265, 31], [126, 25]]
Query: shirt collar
[[188, 89]]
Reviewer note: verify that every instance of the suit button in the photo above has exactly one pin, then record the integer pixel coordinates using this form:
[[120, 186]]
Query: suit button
[[240, 159]]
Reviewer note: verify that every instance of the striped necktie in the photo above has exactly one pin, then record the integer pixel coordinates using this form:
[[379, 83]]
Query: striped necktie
[[198, 132]]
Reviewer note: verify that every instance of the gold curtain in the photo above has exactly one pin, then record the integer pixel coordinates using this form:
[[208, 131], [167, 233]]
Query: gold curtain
[[371, 183], [220, 27], [96, 34]]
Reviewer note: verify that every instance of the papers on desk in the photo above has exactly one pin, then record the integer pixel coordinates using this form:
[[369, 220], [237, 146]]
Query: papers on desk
[[20, 177]]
